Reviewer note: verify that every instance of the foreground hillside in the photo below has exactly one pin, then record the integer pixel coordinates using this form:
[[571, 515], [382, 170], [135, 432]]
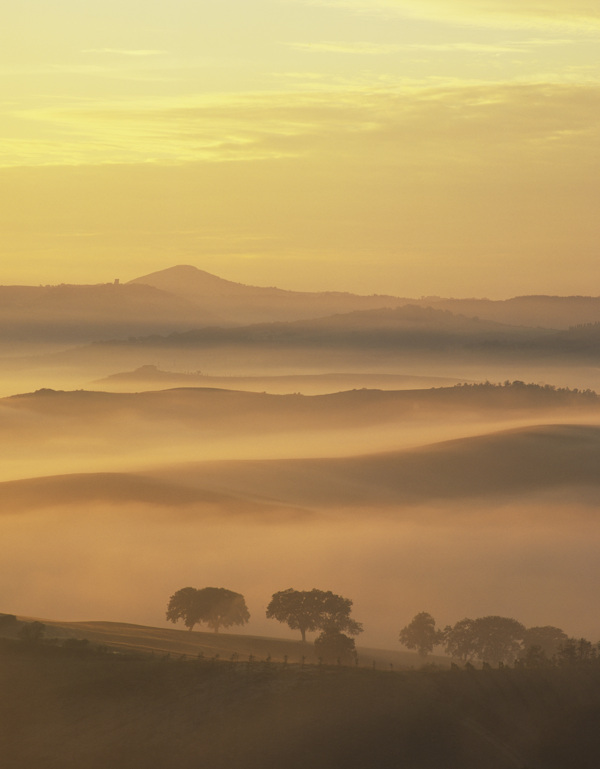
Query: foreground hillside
[[122, 637], [67, 711]]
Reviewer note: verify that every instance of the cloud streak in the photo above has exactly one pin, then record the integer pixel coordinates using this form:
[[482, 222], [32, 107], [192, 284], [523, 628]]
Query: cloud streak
[[485, 12], [125, 51], [431, 125]]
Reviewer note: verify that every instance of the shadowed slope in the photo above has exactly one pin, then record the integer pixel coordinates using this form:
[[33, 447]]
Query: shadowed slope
[[69, 712]]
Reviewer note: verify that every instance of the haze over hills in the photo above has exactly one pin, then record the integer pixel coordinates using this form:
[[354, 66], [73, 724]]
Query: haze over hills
[[251, 304], [514, 462], [150, 377], [407, 339], [56, 430], [504, 523], [80, 313], [393, 497], [184, 318], [184, 297], [239, 304]]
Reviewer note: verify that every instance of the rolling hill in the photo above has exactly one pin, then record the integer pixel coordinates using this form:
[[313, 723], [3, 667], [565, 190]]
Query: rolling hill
[[67, 711], [507, 464], [196, 418]]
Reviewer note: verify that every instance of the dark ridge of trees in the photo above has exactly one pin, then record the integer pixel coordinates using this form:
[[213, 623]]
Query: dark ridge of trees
[[217, 607], [519, 386], [32, 632], [310, 610], [498, 641]]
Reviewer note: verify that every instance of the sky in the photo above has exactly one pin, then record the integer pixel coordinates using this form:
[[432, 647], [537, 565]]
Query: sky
[[408, 147]]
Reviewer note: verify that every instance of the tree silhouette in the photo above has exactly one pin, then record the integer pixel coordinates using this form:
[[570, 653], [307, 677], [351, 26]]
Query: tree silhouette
[[548, 638], [32, 632], [491, 639], [497, 639], [420, 634], [309, 610], [214, 606], [332, 646], [460, 641]]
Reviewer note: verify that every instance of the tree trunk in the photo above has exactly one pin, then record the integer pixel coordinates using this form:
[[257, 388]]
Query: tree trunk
[[303, 631]]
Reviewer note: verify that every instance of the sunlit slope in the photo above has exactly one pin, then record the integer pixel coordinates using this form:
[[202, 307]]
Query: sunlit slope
[[514, 462]]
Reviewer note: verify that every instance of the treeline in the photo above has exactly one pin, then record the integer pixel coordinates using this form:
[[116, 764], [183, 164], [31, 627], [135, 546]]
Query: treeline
[[303, 610], [490, 640], [518, 386], [498, 641]]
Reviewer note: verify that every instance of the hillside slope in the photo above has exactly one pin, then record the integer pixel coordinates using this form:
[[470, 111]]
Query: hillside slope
[[68, 712], [505, 464]]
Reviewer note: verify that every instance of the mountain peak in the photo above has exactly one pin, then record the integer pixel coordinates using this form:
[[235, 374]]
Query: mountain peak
[[186, 280]]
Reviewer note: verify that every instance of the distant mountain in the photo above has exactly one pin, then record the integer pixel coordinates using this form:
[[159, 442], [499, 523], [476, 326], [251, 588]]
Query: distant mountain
[[406, 327], [184, 298], [238, 303], [235, 303], [559, 312], [150, 377], [82, 313]]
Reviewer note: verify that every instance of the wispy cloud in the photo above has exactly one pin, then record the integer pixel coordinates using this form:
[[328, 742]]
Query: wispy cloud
[[456, 47], [373, 49], [125, 52], [435, 125], [488, 12]]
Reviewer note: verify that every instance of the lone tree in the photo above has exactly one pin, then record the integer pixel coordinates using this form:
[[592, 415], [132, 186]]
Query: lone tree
[[420, 634], [214, 606], [309, 610]]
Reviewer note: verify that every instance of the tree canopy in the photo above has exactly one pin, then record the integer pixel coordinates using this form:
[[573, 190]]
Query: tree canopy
[[491, 639], [310, 610], [215, 606], [548, 638], [421, 634], [333, 646]]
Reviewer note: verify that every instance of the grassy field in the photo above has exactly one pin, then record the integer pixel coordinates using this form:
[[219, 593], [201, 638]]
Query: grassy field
[[123, 637], [136, 697], [81, 708]]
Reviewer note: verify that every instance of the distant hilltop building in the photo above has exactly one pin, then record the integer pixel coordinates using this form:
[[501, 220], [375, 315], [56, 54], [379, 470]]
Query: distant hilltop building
[[116, 282]]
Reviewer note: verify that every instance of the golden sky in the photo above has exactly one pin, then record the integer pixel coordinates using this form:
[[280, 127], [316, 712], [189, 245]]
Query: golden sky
[[379, 146]]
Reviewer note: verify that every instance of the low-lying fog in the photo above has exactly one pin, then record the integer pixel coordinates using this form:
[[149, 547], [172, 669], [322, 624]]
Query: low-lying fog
[[533, 559], [502, 525]]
